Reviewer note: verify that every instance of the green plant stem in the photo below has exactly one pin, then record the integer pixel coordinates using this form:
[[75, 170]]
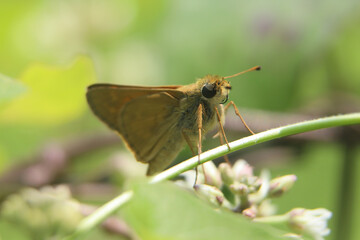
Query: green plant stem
[[100, 215], [339, 120], [109, 208], [273, 219]]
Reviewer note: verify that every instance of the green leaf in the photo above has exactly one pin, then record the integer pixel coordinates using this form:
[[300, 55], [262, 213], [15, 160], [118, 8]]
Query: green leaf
[[55, 94], [9, 88], [164, 211]]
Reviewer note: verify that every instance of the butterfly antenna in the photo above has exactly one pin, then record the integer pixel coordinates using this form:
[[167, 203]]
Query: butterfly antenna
[[256, 68]]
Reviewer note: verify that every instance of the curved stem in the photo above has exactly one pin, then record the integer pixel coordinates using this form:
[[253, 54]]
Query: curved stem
[[339, 120], [100, 215]]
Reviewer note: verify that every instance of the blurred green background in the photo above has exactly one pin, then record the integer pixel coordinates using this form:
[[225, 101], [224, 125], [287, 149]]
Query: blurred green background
[[310, 57]]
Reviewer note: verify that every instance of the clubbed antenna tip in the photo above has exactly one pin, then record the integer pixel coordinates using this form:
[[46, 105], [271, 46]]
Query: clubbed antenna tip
[[256, 68]]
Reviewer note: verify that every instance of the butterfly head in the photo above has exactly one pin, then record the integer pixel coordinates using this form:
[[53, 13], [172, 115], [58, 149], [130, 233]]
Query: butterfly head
[[215, 88]]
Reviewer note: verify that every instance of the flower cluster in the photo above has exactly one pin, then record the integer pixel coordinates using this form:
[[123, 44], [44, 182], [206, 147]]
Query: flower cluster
[[238, 189], [46, 212]]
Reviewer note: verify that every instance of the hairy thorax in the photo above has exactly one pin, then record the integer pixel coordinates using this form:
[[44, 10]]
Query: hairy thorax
[[188, 115]]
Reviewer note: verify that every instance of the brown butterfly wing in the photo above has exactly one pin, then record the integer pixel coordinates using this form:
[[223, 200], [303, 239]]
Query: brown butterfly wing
[[106, 100], [145, 117], [149, 126]]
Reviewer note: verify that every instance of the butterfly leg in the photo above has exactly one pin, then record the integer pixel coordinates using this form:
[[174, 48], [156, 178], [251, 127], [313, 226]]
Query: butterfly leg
[[188, 141], [221, 130], [239, 115], [222, 134], [199, 124]]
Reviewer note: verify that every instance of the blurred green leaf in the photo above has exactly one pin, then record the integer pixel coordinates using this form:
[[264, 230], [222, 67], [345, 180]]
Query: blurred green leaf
[[164, 211], [9, 88], [10, 231], [55, 94]]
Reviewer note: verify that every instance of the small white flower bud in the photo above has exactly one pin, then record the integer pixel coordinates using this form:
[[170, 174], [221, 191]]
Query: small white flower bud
[[312, 222], [226, 172], [242, 169], [250, 212], [212, 174], [210, 193], [282, 184], [239, 188]]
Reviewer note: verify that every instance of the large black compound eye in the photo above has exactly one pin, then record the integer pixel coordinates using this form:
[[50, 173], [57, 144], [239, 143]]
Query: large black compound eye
[[208, 90]]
